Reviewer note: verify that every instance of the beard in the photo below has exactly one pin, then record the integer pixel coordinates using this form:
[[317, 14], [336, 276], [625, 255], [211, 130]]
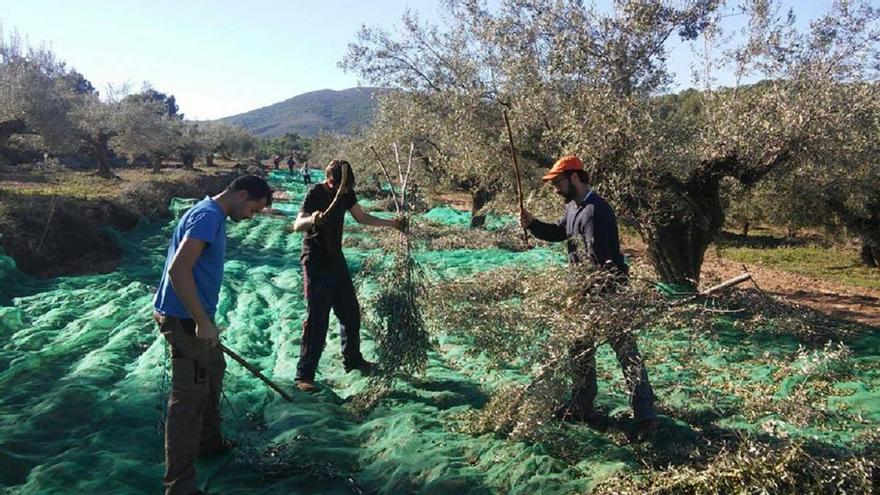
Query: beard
[[569, 193]]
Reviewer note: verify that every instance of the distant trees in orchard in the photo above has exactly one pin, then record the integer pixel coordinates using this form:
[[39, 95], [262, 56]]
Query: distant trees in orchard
[[58, 110]]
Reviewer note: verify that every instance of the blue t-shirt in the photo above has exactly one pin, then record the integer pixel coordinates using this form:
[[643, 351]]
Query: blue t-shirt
[[207, 222]]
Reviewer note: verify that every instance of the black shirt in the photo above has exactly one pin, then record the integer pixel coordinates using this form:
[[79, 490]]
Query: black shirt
[[594, 221], [323, 245]]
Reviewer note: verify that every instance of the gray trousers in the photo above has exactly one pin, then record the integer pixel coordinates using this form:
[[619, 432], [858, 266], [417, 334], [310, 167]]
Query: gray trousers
[[634, 373], [193, 422]]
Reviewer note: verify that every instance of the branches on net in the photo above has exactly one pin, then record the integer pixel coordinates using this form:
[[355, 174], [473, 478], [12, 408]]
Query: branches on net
[[402, 339]]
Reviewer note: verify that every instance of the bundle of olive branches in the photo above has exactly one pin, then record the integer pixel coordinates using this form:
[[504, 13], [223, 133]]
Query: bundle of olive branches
[[535, 319], [402, 339]]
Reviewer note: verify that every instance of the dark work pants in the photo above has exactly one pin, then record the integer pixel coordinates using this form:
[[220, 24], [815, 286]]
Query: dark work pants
[[634, 373], [328, 287], [193, 422]]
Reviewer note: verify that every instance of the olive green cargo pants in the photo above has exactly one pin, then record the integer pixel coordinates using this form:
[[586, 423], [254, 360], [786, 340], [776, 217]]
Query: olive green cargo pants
[[193, 422]]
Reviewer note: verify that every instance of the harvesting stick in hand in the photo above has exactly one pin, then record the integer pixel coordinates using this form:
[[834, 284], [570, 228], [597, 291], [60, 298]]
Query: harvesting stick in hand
[[254, 371], [519, 191], [342, 185], [388, 178]]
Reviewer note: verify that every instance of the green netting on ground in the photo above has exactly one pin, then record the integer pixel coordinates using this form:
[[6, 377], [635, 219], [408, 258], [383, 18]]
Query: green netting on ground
[[82, 367], [457, 218]]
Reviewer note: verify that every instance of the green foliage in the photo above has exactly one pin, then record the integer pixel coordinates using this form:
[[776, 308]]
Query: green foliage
[[578, 79], [285, 145]]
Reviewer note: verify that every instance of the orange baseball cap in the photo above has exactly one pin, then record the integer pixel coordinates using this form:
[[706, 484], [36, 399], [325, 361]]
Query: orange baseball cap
[[564, 164]]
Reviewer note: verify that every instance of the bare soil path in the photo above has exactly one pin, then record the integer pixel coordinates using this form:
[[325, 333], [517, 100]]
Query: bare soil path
[[847, 302]]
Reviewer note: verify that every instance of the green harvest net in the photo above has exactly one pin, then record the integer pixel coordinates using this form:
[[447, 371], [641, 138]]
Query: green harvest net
[[83, 380]]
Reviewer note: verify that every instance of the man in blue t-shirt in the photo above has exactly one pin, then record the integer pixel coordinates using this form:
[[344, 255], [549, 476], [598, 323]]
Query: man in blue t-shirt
[[184, 307]]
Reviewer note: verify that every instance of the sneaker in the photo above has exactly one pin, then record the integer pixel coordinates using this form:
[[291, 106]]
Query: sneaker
[[306, 386], [225, 445], [362, 365]]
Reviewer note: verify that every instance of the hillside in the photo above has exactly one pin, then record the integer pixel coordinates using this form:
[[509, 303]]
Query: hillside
[[311, 113]]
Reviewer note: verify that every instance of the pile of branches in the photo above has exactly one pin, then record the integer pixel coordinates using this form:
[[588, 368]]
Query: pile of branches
[[757, 467], [532, 319]]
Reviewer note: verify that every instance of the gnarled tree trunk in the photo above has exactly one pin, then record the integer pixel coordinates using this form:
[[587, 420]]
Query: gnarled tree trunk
[[866, 227], [870, 254], [690, 218], [10, 127], [156, 162], [99, 149]]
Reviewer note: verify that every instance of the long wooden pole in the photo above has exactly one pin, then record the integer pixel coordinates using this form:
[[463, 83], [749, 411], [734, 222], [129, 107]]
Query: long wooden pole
[[342, 184], [248, 366], [388, 178], [519, 191]]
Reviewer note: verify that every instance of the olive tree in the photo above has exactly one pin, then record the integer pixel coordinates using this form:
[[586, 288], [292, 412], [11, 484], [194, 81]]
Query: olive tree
[[446, 105], [228, 140], [148, 131], [593, 82], [35, 91]]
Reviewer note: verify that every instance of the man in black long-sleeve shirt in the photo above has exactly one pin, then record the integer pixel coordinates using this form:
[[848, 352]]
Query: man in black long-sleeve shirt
[[590, 222]]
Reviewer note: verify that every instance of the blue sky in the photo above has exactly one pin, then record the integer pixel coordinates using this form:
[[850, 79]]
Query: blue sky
[[223, 57]]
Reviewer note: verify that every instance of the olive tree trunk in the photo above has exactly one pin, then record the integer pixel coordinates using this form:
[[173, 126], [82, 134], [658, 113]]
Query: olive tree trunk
[[479, 199], [99, 149], [689, 218], [156, 162]]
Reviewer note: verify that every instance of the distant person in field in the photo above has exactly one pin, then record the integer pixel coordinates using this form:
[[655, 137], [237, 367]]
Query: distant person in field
[[184, 308], [276, 161], [291, 163], [589, 218], [326, 279], [306, 174]]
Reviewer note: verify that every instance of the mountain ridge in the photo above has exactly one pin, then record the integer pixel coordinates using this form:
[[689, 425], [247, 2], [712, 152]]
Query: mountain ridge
[[309, 114]]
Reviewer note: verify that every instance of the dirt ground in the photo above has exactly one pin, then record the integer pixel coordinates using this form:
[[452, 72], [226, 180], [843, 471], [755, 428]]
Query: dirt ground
[[857, 304]]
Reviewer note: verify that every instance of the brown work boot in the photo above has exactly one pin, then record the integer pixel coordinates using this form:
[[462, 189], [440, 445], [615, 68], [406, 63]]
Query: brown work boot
[[362, 365], [306, 386]]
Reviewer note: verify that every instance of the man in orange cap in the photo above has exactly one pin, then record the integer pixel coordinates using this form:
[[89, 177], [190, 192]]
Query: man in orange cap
[[590, 219]]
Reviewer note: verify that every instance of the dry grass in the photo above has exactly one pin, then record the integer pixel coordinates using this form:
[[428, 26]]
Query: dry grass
[[40, 180]]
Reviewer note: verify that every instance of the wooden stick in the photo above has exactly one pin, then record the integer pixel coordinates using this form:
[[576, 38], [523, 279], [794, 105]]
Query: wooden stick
[[397, 161], [519, 191], [388, 178], [412, 147], [339, 189], [255, 372], [734, 281], [708, 292]]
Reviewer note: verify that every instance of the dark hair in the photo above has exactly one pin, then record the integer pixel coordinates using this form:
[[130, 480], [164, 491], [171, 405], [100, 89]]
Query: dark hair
[[256, 187], [581, 174], [334, 171]]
